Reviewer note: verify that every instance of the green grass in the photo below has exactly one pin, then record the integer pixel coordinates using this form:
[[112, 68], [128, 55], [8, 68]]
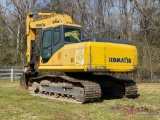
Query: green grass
[[18, 104]]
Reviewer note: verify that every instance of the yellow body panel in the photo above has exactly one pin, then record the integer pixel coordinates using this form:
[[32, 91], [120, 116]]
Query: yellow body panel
[[92, 57]]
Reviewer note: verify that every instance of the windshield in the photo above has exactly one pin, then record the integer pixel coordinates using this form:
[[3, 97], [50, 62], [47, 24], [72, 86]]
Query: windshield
[[72, 34]]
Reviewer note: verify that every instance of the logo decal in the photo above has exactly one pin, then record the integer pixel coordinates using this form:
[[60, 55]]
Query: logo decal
[[120, 60]]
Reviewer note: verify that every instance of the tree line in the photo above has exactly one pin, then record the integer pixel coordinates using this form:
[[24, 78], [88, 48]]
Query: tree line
[[134, 20]]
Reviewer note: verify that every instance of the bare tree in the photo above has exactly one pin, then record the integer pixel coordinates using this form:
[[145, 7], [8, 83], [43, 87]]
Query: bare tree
[[16, 12]]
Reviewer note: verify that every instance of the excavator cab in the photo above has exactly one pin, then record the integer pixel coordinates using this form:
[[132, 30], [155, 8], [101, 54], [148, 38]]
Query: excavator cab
[[53, 38]]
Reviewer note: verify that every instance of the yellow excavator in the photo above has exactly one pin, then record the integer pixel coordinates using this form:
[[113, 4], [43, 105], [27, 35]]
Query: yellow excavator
[[84, 61]]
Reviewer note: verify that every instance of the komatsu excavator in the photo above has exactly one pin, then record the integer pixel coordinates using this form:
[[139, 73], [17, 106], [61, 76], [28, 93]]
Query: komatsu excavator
[[63, 49]]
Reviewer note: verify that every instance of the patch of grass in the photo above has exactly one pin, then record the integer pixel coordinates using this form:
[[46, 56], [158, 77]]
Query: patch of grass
[[18, 104]]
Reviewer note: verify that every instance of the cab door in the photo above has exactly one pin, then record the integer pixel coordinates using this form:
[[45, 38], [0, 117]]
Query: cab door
[[46, 46], [57, 39], [57, 44]]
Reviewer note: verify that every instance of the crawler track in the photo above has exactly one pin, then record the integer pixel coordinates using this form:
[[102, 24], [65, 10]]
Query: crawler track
[[83, 88], [87, 90], [117, 88], [131, 89]]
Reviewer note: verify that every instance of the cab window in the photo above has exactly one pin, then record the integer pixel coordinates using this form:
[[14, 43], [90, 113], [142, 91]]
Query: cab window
[[56, 35], [72, 34]]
